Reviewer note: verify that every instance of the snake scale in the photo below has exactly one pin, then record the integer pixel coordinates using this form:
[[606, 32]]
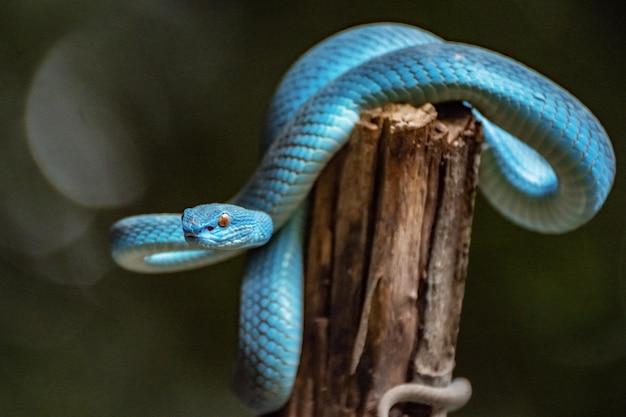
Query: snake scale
[[547, 165]]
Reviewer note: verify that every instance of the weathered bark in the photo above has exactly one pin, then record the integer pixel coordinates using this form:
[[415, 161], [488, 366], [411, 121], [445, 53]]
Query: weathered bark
[[386, 260]]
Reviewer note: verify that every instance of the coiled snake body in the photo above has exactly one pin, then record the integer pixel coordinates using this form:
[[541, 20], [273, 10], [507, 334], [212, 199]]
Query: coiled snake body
[[550, 173]]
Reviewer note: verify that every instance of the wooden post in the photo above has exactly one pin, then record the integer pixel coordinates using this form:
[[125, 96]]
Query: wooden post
[[386, 260]]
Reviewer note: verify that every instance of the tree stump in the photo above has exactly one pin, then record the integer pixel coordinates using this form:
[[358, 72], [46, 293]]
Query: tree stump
[[386, 262]]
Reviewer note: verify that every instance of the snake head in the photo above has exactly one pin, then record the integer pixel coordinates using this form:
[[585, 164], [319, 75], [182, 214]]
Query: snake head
[[226, 227]]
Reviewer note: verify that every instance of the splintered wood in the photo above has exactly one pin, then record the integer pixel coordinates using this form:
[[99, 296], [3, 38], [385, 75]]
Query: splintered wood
[[386, 263]]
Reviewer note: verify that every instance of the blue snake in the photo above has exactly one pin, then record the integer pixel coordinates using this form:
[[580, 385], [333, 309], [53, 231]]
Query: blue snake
[[547, 165]]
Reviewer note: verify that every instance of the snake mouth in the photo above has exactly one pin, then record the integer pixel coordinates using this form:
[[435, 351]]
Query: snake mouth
[[191, 238]]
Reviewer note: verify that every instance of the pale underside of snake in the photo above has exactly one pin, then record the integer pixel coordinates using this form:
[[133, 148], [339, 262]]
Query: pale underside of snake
[[547, 165]]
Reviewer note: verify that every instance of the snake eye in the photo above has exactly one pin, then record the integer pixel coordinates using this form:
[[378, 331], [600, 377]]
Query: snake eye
[[224, 220]]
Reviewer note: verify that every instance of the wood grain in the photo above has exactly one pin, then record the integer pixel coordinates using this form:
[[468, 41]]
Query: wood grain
[[386, 261]]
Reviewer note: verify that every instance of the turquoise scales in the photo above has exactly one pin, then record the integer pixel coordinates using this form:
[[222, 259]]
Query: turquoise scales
[[554, 188]]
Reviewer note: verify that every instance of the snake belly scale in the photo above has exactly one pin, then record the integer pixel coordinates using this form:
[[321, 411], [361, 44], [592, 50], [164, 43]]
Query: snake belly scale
[[547, 165]]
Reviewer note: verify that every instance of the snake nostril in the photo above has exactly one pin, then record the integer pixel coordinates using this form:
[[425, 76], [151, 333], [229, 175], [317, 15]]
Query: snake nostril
[[209, 228]]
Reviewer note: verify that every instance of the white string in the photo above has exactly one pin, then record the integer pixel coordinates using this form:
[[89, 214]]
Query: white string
[[452, 397]]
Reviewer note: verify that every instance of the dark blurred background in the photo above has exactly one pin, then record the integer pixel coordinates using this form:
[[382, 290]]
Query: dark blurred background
[[113, 108]]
